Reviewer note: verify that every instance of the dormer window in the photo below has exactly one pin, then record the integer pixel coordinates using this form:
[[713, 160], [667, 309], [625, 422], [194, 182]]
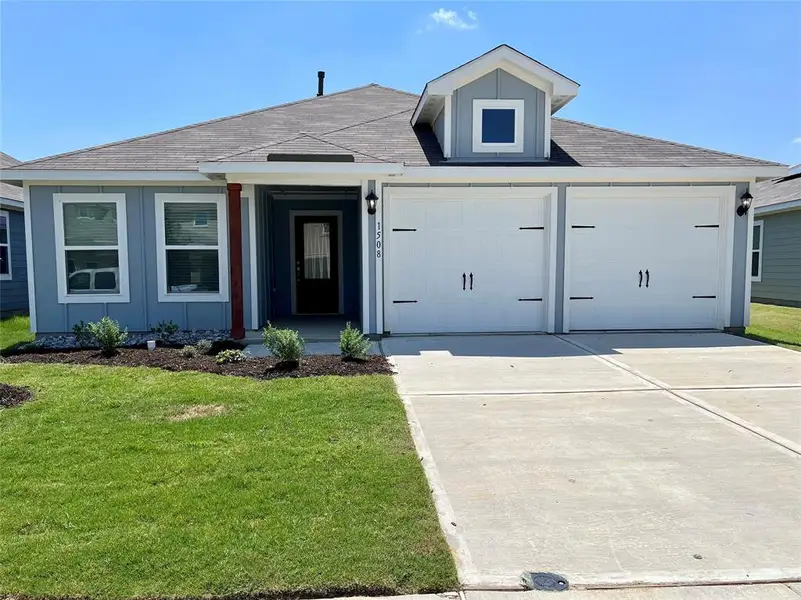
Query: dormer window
[[498, 125]]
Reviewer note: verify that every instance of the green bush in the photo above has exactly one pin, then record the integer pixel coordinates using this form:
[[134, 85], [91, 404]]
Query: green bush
[[83, 337], [285, 344], [231, 356], [203, 346], [353, 344], [165, 330], [108, 334], [189, 351]]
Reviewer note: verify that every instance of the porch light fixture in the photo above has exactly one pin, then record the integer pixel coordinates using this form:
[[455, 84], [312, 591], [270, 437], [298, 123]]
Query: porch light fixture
[[372, 201], [745, 203]]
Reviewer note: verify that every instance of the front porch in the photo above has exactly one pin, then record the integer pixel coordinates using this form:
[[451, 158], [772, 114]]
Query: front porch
[[304, 263]]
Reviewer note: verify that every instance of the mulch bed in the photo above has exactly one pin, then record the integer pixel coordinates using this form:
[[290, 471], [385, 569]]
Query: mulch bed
[[170, 359], [11, 395]]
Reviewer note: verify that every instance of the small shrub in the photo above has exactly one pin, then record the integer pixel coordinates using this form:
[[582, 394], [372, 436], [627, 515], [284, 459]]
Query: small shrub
[[203, 346], [83, 336], [189, 351], [165, 330], [285, 344], [108, 334], [353, 344], [231, 356]]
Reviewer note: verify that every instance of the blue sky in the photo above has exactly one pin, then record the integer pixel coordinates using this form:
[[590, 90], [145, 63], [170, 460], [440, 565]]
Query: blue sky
[[720, 75]]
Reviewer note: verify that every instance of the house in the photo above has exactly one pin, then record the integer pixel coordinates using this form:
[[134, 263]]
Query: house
[[13, 266], [468, 208], [776, 244]]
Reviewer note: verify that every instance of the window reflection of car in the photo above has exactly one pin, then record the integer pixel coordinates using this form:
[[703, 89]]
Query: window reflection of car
[[94, 280]]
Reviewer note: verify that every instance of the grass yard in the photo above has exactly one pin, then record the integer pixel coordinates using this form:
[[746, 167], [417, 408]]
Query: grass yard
[[134, 482], [14, 330], [776, 325]]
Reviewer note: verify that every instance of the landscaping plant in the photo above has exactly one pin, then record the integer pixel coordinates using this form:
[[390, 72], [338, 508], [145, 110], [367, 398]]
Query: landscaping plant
[[231, 356], [285, 344], [165, 330], [189, 351], [108, 334], [83, 336], [203, 346], [353, 344]]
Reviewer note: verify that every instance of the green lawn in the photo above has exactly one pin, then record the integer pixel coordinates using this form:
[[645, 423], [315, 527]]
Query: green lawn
[[312, 485], [776, 325], [14, 330]]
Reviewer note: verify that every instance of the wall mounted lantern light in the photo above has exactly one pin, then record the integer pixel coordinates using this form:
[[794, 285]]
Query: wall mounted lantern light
[[745, 203], [372, 201]]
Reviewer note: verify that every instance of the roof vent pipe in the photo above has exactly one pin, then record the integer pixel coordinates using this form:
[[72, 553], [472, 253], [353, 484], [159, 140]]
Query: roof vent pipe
[[320, 80]]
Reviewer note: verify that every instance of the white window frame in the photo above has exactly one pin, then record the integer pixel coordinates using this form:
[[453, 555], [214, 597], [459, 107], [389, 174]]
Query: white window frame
[[761, 225], [222, 248], [59, 200], [7, 276], [479, 104]]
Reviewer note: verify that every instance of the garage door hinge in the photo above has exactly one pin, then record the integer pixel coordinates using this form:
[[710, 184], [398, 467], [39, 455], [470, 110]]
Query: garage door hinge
[[404, 302], [404, 230], [582, 298], [707, 226], [531, 228], [704, 296], [583, 226], [529, 299]]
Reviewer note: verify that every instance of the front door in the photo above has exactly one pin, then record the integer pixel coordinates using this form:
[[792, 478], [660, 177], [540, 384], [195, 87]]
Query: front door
[[316, 265]]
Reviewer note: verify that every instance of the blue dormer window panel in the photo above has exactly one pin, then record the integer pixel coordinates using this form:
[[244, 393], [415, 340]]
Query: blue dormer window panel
[[498, 125]]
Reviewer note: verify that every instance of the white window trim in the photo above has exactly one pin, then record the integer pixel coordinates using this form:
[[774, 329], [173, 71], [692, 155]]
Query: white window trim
[[59, 200], [761, 225], [7, 276], [221, 247], [518, 106]]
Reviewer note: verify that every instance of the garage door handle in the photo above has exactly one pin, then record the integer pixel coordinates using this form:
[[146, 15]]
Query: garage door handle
[[647, 278], [464, 281], [471, 281], [640, 278]]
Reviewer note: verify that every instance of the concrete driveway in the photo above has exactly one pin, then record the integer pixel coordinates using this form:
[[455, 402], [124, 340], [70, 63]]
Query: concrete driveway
[[612, 459]]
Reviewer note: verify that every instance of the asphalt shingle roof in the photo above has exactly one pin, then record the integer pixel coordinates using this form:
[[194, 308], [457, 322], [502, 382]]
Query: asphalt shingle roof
[[777, 191], [373, 124], [8, 191]]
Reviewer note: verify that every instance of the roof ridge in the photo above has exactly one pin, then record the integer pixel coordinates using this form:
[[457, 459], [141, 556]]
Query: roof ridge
[[392, 89], [389, 116], [191, 126], [671, 142]]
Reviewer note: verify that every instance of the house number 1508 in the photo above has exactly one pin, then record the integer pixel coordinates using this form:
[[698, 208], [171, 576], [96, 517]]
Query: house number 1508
[[378, 239]]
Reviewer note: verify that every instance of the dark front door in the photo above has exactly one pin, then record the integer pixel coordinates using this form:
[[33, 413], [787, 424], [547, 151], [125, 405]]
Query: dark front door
[[316, 265]]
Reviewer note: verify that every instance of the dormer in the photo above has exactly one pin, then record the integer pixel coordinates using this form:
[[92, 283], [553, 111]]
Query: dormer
[[497, 107]]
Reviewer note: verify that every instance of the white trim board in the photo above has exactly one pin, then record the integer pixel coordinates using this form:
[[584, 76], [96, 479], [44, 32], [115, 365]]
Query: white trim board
[[751, 249], [482, 104], [250, 191], [364, 218], [90, 175], [26, 198], [10, 275], [778, 208], [221, 247], [119, 200]]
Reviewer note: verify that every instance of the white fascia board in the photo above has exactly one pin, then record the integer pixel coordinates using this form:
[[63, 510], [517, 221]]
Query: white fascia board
[[777, 208], [90, 175], [231, 169], [13, 204], [421, 103], [469, 173]]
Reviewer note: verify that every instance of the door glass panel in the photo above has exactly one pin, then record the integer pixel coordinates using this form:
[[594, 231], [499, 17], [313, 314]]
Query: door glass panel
[[316, 251]]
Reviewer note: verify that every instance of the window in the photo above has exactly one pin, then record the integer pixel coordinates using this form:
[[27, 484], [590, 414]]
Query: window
[[5, 246], [756, 251], [498, 125], [91, 248], [191, 236]]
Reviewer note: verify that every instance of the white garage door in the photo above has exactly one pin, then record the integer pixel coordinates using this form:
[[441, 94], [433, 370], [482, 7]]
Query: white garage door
[[467, 260], [646, 258]]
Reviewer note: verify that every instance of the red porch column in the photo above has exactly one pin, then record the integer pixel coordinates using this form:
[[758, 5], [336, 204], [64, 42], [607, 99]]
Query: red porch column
[[235, 259]]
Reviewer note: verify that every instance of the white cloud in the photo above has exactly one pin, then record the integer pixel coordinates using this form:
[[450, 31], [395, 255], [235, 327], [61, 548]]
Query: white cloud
[[797, 140], [450, 18]]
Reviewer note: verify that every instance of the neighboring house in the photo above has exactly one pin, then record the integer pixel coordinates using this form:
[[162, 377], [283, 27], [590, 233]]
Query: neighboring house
[[13, 266], [776, 262], [469, 208]]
